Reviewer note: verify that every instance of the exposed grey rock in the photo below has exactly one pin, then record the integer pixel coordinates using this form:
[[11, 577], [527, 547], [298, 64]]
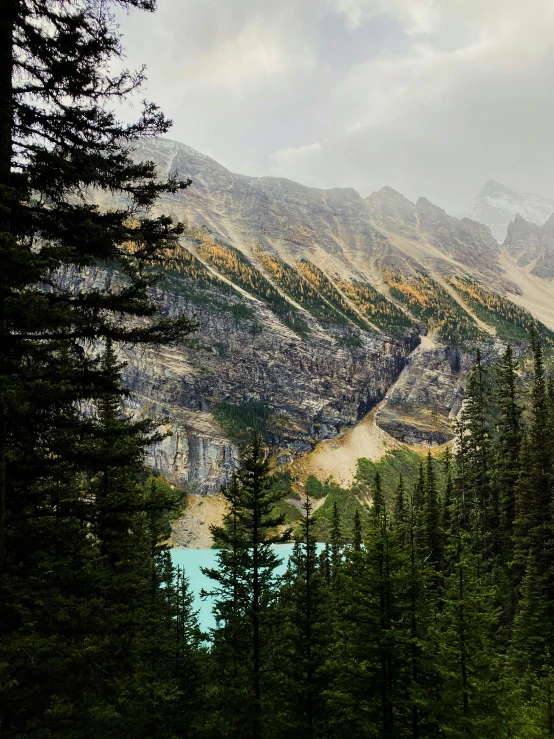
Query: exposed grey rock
[[426, 399], [393, 212], [533, 245], [314, 388], [467, 241], [303, 222]]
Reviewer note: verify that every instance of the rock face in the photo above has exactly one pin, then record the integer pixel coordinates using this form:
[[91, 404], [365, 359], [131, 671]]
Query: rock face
[[532, 245], [468, 242], [313, 388], [496, 205], [393, 212], [426, 399]]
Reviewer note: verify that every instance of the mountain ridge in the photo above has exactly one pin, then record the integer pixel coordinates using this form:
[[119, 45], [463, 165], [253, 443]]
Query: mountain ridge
[[311, 304]]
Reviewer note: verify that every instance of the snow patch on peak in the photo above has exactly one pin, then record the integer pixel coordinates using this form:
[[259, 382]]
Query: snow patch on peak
[[497, 204]]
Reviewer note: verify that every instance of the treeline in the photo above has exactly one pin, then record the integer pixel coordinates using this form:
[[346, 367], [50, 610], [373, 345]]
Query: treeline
[[325, 287], [231, 263], [292, 281], [433, 617], [380, 311], [431, 303], [511, 322]]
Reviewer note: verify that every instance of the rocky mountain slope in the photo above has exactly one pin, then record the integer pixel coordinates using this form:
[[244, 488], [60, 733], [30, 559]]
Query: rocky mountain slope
[[532, 246], [314, 306], [496, 205]]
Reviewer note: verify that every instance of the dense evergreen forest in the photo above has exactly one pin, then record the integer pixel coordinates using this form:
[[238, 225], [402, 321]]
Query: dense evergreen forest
[[429, 614]]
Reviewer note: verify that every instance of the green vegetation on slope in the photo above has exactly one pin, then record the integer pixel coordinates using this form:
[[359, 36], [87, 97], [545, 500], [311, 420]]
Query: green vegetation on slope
[[510, 321], [398, 462], [235, 266], [293, 282], [380, 311], [242, 421], [430, 302], [183, 263], [186, 276], [328, 290]]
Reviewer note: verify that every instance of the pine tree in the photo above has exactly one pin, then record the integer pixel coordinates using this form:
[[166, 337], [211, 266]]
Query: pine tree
[[417, 598], [362, 666], [418, 493], [448, 494], [245, 592], [531, 628], [336, 542], [134, 573], [472, 692], [378, 497], [507, 446], [59, 142], [534, 520], [400, 502], [477, 430], [304, 600], [358, 538], [191, 662], [229, 672], [434, 534]]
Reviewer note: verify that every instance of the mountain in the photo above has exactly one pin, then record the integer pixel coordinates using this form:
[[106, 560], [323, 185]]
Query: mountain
[[532, 246], [314, 308], [497, 204]]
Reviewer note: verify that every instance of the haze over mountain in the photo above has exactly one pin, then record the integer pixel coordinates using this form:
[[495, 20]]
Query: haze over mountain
[[497, 204], [316, 306]]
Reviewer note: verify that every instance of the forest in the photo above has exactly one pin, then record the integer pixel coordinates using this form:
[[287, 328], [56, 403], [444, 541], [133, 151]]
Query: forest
[[429, 613]]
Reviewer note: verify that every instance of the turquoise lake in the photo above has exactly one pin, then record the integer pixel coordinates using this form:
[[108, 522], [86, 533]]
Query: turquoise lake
[[191, 560]]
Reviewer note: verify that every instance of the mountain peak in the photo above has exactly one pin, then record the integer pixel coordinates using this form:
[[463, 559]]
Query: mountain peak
[[388, 194], [493, 187], [423, 202], [496, 205]]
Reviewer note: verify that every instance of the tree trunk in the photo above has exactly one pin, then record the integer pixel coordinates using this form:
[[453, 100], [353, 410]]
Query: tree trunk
[[8, 13], [256, 617]]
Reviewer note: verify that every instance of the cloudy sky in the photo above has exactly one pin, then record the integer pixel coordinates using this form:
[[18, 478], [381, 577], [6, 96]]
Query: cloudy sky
[[431, 97]]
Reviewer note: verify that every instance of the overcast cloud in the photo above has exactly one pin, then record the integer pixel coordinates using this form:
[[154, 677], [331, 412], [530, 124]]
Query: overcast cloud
[[431, 97]]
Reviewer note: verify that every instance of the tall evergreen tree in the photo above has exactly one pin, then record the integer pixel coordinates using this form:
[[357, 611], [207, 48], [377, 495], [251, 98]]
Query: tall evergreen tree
[[245, 590], [417, 577], [477, 430], [363, 665], [131, 523], [60, 141], [378, 507], [336, 541], [507, 444], [448, 492], [534, 520], [531, 629], [358, 537], [434, 534], [191, 659], [472, 695], [304, 599]]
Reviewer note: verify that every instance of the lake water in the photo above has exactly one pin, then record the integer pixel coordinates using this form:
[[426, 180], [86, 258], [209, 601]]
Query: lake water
[[191, 560]]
